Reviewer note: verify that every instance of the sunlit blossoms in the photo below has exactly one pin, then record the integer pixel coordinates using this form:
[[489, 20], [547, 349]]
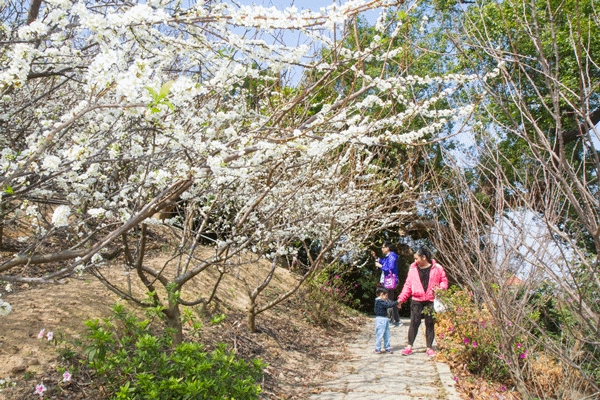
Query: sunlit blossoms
[[67, 376], [60, 217], [190, 110], [5, 307], [51, 163]]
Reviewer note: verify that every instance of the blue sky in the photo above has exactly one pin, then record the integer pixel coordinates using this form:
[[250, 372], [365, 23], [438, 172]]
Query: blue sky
[[314, 5]]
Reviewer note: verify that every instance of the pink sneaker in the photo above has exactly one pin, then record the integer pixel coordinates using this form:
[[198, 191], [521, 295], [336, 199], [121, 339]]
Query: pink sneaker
[[430, 353], [406, 351]]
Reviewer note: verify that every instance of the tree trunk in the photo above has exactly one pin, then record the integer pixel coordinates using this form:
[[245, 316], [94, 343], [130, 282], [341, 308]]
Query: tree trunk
[[173, 318], [251, 318], [522, 389], [517, 375], [34, 11], [2, 217]]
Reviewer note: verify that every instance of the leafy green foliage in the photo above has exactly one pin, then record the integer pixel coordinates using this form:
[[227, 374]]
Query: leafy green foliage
[[159, 98], [544, 43], [469, 335], [324, 296], [135, 363]]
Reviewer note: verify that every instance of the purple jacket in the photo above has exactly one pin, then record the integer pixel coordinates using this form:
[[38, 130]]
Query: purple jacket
[[389, 266], [413, 287]]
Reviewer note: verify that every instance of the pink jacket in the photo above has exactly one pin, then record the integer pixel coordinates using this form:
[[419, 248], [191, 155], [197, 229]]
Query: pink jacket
[[413, 287]]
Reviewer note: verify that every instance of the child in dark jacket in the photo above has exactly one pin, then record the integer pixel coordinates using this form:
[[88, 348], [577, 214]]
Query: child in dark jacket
[[382, 323]]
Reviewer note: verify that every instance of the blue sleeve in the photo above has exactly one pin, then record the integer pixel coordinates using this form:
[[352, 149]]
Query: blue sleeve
[[392, 265], [390, 303], [385, 265], [394, 262], [389, 264]]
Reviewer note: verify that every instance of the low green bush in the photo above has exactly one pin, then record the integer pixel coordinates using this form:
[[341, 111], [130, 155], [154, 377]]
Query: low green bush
[[324, 296], [468, 335], [133, 362]]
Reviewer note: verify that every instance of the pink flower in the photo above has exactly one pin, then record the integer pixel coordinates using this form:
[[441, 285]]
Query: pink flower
[[501, 356], [441, 335], [523, 355], [49, 336], [40, 389], [503, 388], [459, 309], [337, 277], [470, 293], [356, 285], [67, 376], [466, 341], [518, 345], [42, 333], [474, 344], [455, 378], [509, 323]]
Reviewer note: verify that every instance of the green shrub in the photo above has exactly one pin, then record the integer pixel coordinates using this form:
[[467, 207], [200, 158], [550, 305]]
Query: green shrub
[[135, 363], [468, 335], [324, 296]]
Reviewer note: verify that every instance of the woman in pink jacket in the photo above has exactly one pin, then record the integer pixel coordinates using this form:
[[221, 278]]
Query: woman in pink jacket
[[425, 277]]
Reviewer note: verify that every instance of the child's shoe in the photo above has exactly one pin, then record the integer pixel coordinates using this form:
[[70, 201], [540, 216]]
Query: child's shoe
[[430, 353], [377, 351], [406, 351], [389, 351]]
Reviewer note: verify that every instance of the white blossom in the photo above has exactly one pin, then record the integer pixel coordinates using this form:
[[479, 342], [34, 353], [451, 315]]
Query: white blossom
[[60, 217], [5, 308], [51, 163], [96, 212]]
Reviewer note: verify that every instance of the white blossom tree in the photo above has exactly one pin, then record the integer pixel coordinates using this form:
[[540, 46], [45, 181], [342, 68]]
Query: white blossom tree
[[112, 112]]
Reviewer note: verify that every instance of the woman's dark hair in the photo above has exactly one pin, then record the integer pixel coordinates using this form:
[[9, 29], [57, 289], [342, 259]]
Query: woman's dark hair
[[424, 251], [388, 244]]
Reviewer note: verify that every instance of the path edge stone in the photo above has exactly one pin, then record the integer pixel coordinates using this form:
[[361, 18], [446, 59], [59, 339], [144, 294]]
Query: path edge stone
[[447, 382]]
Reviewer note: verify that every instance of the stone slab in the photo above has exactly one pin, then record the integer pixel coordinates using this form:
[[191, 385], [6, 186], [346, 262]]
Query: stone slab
[[365, 375]]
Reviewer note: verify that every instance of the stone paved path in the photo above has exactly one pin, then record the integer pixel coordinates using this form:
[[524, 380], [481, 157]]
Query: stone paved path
[[366, 375]]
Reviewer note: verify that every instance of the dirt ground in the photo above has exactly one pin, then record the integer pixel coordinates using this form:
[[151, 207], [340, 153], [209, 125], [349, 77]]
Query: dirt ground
[[299, 354]]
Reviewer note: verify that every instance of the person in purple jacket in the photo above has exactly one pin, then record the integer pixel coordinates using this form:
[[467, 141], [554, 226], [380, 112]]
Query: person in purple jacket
[[388, 266]]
